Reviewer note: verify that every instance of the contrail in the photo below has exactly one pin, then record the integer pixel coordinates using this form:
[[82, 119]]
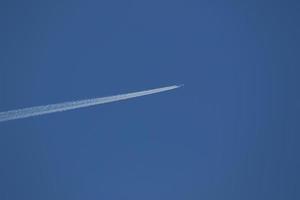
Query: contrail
[[59, 107]]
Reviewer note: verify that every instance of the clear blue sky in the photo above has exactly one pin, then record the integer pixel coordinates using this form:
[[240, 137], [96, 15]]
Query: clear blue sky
[[231, 133]]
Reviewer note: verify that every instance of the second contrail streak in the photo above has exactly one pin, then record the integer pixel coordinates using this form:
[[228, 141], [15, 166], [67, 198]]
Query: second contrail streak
[[59, 107]]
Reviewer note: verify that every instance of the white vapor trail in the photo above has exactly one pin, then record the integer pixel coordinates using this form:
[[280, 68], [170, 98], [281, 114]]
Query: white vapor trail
[[59, 107]]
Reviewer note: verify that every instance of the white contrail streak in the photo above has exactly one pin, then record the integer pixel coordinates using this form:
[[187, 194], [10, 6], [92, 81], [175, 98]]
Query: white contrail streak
[[59, 107]]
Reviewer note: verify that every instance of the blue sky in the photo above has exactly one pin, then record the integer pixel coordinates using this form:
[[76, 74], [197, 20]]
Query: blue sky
[[230, 133]]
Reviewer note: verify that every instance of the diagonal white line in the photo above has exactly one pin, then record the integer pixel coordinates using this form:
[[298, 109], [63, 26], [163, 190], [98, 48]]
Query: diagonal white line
[[59, 107]]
